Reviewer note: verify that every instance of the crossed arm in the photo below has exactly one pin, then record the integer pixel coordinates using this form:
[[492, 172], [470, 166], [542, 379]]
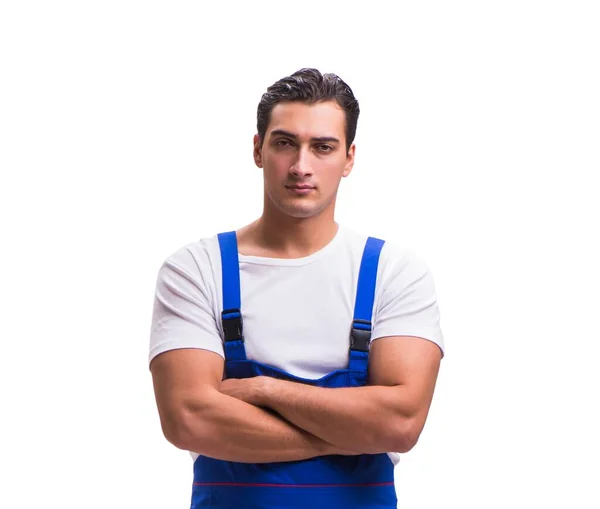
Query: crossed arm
[[266, 420]]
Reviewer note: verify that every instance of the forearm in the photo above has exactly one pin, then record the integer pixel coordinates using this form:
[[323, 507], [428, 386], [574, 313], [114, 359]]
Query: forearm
[[225, 428], [369, 419]]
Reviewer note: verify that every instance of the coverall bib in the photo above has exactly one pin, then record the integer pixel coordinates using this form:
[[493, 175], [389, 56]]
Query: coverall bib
[[350, 482]]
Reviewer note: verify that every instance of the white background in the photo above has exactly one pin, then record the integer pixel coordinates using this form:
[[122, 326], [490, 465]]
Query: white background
[[126, 131]]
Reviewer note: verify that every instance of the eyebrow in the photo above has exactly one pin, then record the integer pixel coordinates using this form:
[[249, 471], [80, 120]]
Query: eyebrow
[[294, 136]]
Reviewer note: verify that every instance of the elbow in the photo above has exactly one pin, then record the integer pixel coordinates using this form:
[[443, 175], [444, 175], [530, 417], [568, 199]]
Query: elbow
[[188, 427], [181, 430], [404, 435]]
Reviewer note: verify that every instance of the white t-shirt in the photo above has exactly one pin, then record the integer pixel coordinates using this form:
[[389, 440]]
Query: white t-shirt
[[297, 312]]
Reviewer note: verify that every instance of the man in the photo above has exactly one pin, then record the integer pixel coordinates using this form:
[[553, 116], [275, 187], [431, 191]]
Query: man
[[295, 358]]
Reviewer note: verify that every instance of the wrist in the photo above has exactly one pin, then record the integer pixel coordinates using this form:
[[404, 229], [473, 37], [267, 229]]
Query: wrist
[[262, 390]]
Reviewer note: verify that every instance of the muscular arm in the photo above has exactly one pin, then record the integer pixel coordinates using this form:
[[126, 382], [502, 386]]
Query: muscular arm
[[388, 415], [195, 416]]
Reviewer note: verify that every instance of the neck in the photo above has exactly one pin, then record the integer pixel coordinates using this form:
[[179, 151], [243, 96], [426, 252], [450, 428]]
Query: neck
[[278, 235]]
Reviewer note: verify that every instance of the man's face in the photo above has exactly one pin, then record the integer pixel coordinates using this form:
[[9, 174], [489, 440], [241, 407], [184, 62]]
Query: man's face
[[304, 157]]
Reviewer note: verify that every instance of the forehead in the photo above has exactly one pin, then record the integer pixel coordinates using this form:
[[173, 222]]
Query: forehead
[[309, 120]]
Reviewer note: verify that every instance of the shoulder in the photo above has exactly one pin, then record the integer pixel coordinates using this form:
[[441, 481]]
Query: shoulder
[[194, 260], [402, 274], [395, 256], [401, 259], [406, 300]]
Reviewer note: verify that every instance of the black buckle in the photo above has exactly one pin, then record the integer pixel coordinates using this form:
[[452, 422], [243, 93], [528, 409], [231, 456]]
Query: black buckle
[[233, 326], [360, 339]]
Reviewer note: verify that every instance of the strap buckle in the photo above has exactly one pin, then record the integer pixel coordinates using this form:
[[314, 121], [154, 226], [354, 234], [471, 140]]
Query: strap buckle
[[360, 336], [233, 325]]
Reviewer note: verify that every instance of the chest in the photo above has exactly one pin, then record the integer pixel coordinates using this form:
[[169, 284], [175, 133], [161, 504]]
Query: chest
[[298, 320]]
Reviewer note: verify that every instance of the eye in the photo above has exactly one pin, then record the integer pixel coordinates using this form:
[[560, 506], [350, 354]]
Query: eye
[[324, 148], [283, 143]]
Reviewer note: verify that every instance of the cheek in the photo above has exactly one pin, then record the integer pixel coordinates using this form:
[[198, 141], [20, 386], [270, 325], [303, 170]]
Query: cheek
[[331, 172], [276, 164]]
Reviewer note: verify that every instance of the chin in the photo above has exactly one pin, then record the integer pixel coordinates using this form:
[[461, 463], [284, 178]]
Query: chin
[[300, 211], [297, 207]]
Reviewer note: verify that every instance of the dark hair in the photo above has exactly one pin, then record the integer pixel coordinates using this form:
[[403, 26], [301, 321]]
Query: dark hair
[[309, 86]]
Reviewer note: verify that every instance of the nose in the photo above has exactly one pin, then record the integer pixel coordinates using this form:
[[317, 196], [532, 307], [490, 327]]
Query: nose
[[301, 166]]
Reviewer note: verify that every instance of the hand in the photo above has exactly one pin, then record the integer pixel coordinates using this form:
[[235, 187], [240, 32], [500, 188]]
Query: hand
[[248, 390]]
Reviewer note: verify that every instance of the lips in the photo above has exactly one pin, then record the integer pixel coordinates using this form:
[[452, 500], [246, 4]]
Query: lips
[[300, 190]]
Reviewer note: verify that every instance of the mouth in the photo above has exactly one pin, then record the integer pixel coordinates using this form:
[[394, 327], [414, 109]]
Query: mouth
[[300, 189]]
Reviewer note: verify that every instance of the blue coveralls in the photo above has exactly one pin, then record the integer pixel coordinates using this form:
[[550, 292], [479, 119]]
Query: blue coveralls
[[350, 482]]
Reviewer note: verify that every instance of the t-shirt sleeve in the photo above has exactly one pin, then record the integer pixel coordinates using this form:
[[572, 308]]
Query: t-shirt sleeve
[[406, 301], [183, 314]]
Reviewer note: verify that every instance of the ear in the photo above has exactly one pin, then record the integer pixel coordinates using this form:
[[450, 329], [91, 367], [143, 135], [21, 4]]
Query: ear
[[349, 160], [257, 151]]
